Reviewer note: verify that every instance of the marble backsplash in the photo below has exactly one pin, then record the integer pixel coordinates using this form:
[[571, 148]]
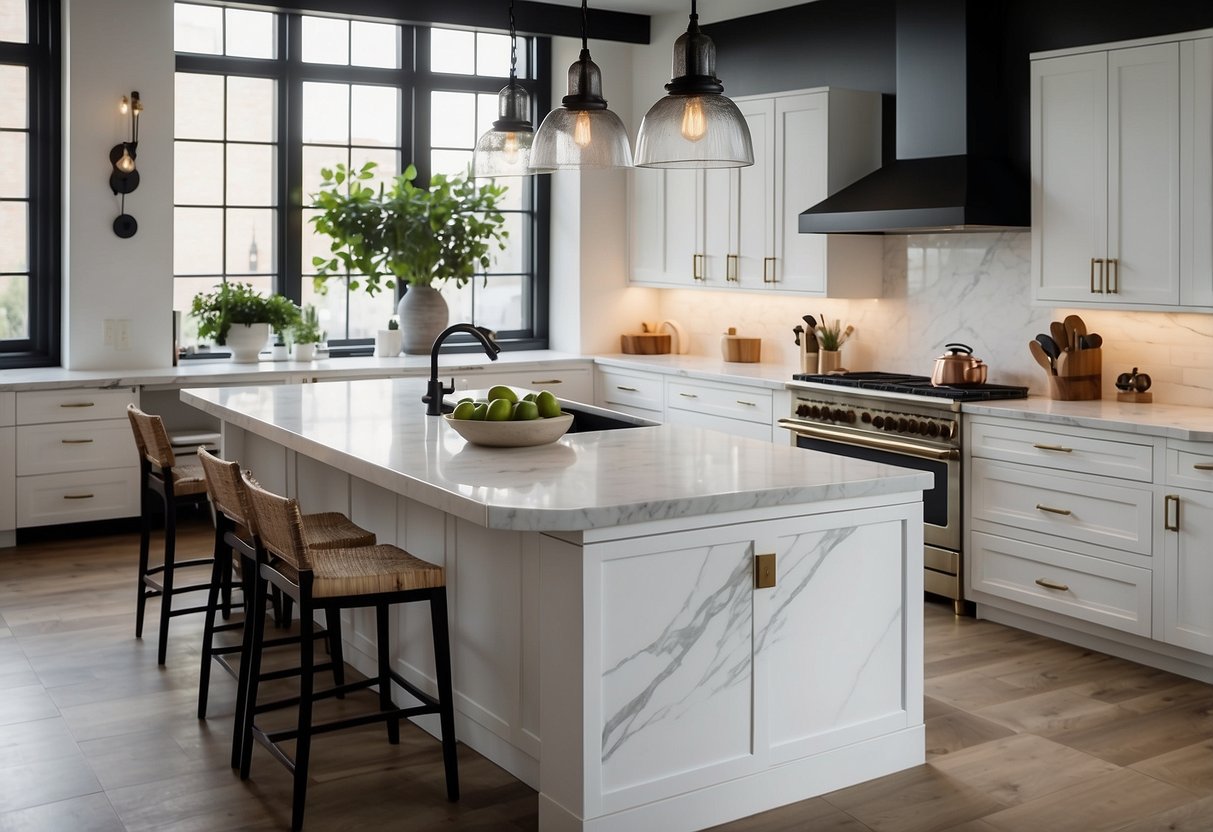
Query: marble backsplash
[[971, 288]]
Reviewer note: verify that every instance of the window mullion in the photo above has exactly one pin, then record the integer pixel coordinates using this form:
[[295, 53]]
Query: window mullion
[[290, 179]]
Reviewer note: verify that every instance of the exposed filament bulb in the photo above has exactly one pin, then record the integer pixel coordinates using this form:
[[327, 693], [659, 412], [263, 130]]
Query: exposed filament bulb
[[581, 130], [694, 124]]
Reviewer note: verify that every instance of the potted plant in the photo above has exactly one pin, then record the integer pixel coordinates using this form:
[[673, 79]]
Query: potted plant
[[387, 341], [400, 233], [236, 316], [306, 334]]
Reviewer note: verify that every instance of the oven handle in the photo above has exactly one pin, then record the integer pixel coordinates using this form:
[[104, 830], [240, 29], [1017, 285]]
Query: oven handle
[[882, 444]]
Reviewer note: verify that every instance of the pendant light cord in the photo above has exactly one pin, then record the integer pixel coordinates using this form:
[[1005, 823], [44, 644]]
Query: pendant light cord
[[513, 46], [585, 25]]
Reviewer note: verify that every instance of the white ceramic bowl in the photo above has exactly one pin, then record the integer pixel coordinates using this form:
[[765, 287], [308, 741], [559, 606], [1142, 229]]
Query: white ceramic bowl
[[512, 434]]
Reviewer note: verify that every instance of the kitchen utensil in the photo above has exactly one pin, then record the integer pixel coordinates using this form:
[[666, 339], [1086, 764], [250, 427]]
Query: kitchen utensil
[[1039, 354], [958, 367], [1090, 342], [846, 333], [798, 330], [1049, 346], [810, 321], [1058, 330], [1076, 329]]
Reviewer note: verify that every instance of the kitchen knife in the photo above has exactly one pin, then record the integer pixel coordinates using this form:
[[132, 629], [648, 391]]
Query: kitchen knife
[[1039, 354], [1058, 330]]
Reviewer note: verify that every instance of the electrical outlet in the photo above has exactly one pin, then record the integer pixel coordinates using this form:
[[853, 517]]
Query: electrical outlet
[[109, 332], [122, 334]]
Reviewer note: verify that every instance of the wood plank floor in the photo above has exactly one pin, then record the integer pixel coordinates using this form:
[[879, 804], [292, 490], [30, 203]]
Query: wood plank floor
[[1023, 733]]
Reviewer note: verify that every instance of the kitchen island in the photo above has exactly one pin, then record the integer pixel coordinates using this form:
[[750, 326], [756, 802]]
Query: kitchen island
[[610, 646]]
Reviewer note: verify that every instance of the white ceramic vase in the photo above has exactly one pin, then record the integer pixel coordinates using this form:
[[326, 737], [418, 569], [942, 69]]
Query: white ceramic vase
[[387, 343], [304, 352], [423, 315], [245, 341]]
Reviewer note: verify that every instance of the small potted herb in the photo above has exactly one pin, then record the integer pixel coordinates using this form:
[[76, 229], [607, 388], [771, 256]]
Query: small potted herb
[[235, 315], [306, 334], [388, 341]]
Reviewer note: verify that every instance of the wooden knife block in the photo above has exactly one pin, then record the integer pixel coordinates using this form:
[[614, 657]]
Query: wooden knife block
[[1079, 376]]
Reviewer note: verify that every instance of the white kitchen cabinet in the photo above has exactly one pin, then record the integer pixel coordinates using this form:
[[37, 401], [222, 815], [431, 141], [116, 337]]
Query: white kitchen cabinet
[[739, 227], [574, 383], [631, 391], [1187, 552], [1121, 176], [736, 409]]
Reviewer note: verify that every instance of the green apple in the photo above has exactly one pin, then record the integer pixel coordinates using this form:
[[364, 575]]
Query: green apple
[[547, 404], [499, 410], [524, 411], [464, 410], [479, 411], [529, 397], [500, 391]]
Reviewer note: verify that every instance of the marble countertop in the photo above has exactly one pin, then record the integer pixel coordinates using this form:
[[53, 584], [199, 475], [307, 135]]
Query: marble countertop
[[1171, 421], [773, 376], [377, 430]]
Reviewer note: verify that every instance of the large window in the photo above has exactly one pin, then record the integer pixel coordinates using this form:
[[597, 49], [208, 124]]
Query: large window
[[29, 158], [267, 99]]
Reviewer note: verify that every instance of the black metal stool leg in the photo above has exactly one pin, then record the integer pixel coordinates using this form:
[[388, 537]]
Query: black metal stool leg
[[170, 553], [222, 563], [145, 539], [385, 672], [303, 743], [332, 624], [255, 633], [442, 673], [248, 579]]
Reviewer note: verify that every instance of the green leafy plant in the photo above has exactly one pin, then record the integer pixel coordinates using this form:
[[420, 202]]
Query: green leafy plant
[[307, 330], [392, 323], [239, 303], [400, 232]]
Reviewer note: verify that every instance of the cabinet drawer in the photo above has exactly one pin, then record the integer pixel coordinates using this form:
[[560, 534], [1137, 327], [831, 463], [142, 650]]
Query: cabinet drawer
[[50, 499], [619, 390], [574, 383], [1092, 589], [38, 406], [746, 403], [1067, 506], [1062, 451], [74, 446], [1190, 465], [724, 424], [8, 408]]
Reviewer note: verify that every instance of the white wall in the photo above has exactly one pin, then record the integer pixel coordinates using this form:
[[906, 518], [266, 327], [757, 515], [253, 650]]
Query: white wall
[[111, 48]]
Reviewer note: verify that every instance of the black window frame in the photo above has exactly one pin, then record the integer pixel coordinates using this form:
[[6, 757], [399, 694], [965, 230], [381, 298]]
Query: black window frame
[[290, 72], [41, 55]]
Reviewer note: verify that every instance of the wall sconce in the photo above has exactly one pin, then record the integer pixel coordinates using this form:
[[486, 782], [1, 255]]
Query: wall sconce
[[124, 178]]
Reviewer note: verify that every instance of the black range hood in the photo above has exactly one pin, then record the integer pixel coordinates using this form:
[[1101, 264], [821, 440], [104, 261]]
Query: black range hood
[[952, 171]]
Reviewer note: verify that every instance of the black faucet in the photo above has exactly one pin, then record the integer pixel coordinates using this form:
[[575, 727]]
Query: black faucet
[[435, 390]]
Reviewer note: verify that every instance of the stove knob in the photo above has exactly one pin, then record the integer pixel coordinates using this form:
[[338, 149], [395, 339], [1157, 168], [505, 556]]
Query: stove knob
[[912, 426], [952, 429], [866, 418], [815, 411], [932, 429], [878, 422], [802, 410], [902, 424], [890, 424], [840, 415], [851, 417]]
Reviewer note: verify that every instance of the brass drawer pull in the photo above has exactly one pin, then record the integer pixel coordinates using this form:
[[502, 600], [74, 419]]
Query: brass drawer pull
[[77, 496], [688, 395], [730, 268], [768, 274], [1097, 287], [1114, 276], [76, 441], [1168, 501], [1047, 584], [546, 381], [747, 404], [78, 404], [1059, 448], [1064, 512], [626, 389], [1203, 466], [697, 267]]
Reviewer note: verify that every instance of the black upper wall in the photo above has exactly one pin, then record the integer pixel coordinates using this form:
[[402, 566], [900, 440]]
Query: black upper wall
[[851, 44]]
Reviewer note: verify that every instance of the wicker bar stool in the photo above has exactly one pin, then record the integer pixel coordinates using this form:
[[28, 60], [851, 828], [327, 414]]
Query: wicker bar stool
[[235, 531], [161, 477], [332, 580]]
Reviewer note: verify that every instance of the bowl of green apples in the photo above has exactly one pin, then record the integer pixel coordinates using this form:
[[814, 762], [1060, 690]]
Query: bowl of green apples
[[502, 419]]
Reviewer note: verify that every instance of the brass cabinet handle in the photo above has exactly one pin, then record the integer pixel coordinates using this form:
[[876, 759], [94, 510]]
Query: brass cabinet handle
[[76, 441], [730, 268], [1059, 448], [688, 395], [1047, 584], [768, 274], [697, 267], [747, 404], [1097, 288], [546, 381], [1114, 271], [1168, 501], [77, 496], [1203, 466], [1064, 512], [78, 404], [626, 389]]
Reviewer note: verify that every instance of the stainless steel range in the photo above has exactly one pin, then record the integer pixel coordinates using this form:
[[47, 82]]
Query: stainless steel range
[[899, 420]]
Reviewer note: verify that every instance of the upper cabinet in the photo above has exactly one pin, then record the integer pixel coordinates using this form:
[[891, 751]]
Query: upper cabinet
[[1122, 186], [738, 228]]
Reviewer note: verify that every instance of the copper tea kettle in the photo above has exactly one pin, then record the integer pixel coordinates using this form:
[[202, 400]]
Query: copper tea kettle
[[958, 367]]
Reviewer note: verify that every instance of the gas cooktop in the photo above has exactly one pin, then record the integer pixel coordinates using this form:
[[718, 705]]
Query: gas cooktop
[[915, 386]]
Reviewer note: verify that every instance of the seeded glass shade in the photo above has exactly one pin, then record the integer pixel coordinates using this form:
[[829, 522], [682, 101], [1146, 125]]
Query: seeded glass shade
[[505, 150], [582, 133]]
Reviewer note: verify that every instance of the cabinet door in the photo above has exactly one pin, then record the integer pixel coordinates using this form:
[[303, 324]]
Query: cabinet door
[[1069, 103], [1143, 175], [754, 202], [646, 212], [719, 212], [1196, 171], [683, 226], [1188, 593], [801, 144], [8, 479]]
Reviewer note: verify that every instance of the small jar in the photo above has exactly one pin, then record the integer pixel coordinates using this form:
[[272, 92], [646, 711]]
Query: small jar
[[829, 361]]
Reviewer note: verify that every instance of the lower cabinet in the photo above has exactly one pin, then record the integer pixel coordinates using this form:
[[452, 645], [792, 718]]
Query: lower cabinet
[[1187, 551]]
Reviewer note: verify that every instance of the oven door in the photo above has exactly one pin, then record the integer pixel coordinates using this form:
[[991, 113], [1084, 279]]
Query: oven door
[[940, 503]]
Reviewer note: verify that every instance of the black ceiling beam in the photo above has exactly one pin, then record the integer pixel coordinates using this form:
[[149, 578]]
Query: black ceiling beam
[[533, 18]]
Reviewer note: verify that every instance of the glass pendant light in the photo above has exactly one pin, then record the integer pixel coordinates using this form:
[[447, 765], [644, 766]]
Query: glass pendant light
[[582, 133], [505, 150], [695, 125]]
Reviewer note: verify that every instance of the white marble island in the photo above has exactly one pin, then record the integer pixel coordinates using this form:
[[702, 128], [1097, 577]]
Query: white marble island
[[610, 647]]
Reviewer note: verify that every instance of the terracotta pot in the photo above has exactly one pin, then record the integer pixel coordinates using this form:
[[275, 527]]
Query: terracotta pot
[[245, 341], [423, 315]]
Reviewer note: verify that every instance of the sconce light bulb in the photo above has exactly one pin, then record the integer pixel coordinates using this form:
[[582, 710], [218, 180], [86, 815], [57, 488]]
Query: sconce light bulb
[[137, 107], [581, 130], [510, 148], [694, 125], [125, 106], [126, 164]]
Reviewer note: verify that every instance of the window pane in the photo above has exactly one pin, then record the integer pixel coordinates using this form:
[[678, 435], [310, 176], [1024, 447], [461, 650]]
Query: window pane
[[459, 300], [452, 51], [326, 113], [515, 196], [14, 96], [14, 161], [450, 162], [499, 304], [250, 34], [314, 245], [315, 158], [185, 288], [326, 41], [198, 173], [330, 307], [511, 260], [493, 55], [486, 113], [203, 117], [198, 29], [453, 119], [12, 22], [14, 306], [369, 314], [250, 175], [14, 237], [375, 44], [198, 241], [250, 241], [375, 116], [387, 162], [251, 109]]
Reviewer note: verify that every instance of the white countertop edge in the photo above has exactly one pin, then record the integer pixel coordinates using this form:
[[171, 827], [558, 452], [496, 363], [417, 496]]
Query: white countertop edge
[[770, 376], [1169, 421]]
